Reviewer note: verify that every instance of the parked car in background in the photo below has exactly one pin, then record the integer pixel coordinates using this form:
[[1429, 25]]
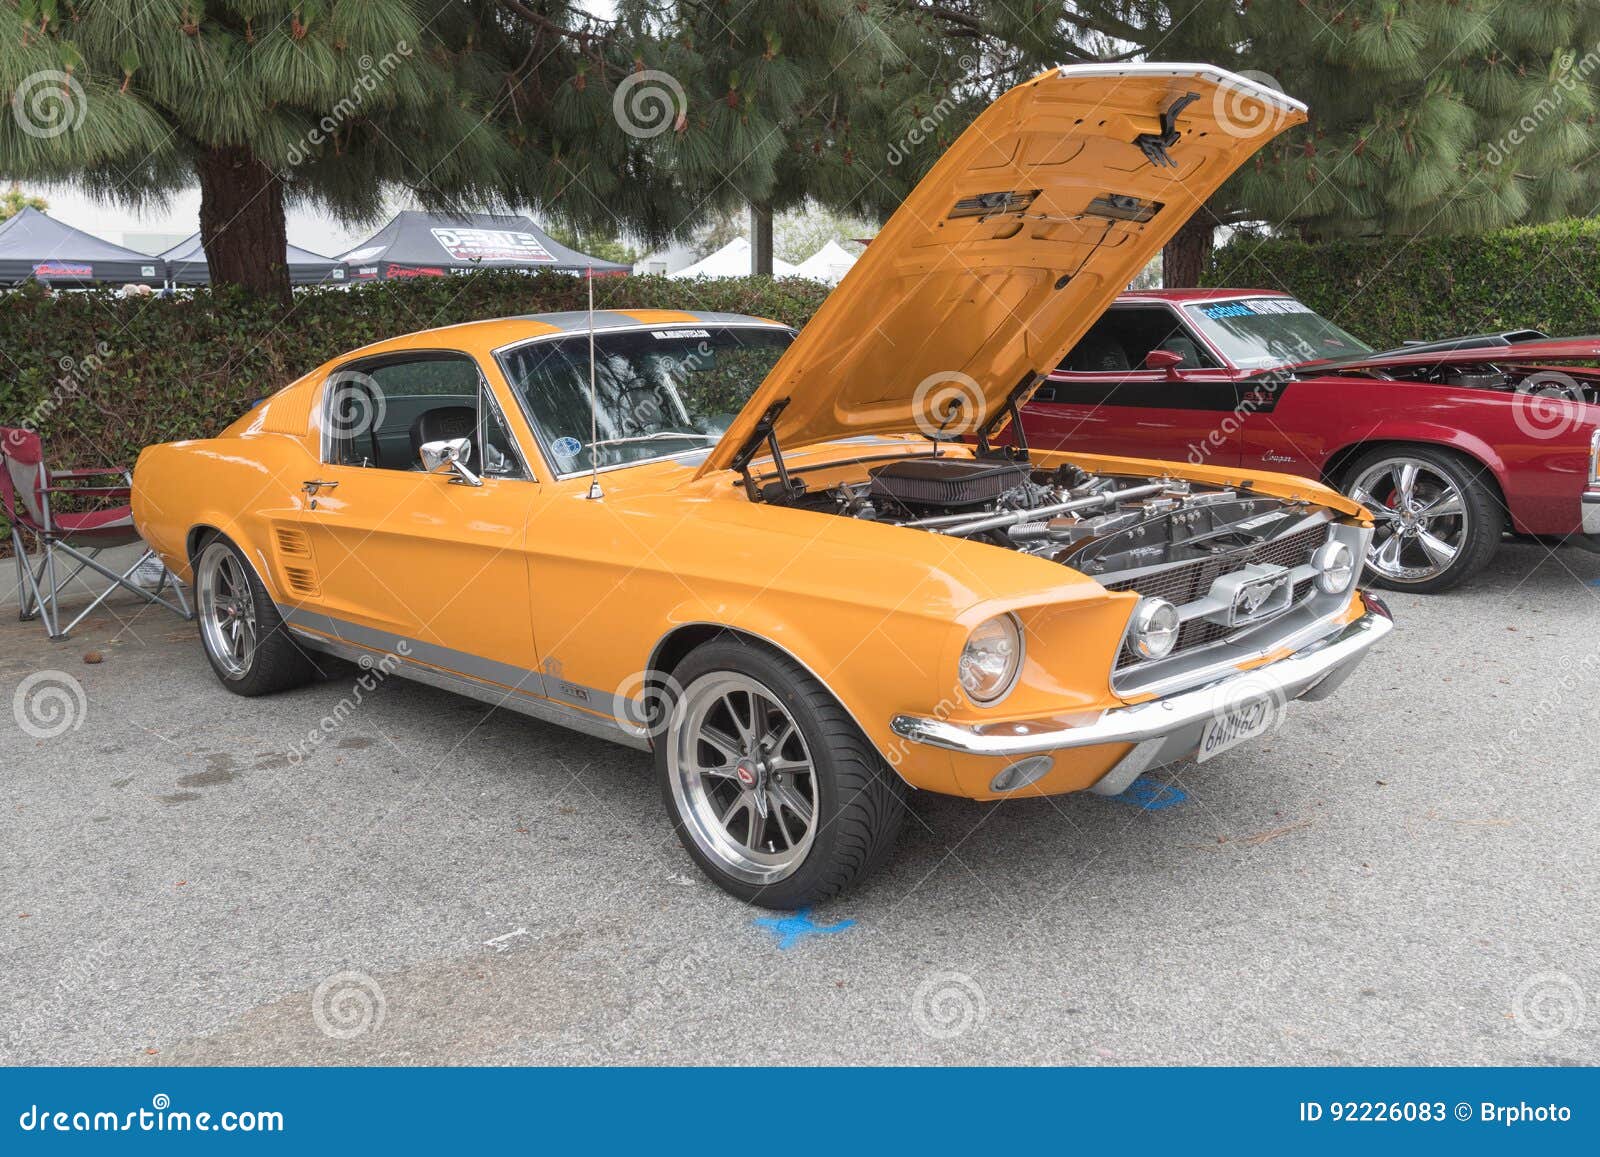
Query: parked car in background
[[771, 560], [1450, 444]]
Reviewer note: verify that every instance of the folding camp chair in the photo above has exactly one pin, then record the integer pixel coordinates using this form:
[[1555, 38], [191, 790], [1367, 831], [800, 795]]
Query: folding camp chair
[[26, 487]]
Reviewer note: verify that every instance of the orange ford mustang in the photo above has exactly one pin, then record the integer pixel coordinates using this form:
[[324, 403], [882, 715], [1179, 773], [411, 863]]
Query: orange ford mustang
[[800, 568]]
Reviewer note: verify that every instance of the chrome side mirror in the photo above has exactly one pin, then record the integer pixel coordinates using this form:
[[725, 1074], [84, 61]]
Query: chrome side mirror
[[450, 454]]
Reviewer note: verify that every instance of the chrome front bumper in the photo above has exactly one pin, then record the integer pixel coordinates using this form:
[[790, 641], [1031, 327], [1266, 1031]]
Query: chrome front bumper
[[1164, 730], [1591, 512]]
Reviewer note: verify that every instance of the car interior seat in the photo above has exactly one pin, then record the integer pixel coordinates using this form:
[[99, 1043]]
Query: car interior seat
[[1185, 348], [1096, 354]]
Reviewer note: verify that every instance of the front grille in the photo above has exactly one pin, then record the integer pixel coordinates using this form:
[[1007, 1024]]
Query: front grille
[[1189, 581]]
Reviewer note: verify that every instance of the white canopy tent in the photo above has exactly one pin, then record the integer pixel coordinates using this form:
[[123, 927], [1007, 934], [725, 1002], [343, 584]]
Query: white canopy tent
[[732, 260], [828, 264]]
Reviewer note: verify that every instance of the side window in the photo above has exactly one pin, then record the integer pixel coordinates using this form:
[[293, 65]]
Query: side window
[[1121, 340], [379, 414]]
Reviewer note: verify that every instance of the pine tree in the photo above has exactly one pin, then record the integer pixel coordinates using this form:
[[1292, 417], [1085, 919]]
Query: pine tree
[[1427, 116], [468, 104], [776, 101], [1431, 116]]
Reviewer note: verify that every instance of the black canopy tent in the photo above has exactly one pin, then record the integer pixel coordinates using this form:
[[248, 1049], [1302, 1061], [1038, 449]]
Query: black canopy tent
[[186, 265], [416, 244], [36, 247]]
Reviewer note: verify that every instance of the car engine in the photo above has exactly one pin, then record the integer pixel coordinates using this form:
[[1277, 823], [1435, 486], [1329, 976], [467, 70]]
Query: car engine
[[1103, 525], [1579, 385]]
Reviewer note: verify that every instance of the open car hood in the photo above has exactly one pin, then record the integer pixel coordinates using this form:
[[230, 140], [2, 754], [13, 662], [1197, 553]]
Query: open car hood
[[1465, 351], [1011, 247]]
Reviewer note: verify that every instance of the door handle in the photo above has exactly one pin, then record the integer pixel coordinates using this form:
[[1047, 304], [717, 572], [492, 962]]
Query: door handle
[[312, 485]]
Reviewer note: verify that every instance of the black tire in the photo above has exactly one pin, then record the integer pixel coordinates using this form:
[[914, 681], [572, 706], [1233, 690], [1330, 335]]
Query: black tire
[[1476, 541], [859, 802], [275, 662]]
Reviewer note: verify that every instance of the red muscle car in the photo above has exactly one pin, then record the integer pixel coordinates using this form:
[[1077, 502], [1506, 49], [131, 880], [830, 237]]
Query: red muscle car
[[1450, 444]]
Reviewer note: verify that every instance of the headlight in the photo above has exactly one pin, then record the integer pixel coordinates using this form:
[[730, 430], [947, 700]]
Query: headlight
[[1154, 629], [991, 659], [1336, 567], [1594, 458]]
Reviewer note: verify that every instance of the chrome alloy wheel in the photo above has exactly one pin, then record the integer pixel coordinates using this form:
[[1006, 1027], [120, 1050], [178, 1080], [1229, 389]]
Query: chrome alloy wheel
[[742, 777], [1421, 515], [227, 610]]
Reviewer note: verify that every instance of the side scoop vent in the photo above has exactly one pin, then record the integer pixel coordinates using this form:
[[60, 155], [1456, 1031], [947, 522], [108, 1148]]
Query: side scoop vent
[[293, 543], [294, 555], [301, 580]]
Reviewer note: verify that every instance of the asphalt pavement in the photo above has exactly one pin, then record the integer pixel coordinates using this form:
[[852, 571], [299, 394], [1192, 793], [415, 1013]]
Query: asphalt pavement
[[1407, 873]]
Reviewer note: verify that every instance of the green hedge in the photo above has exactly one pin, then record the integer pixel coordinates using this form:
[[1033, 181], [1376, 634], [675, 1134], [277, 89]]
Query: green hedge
[[100, 376], [1393, 290]]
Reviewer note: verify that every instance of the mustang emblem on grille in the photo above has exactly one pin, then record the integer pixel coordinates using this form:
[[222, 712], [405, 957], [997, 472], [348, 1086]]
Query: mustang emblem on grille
[[1258, 598], [1251, 598]]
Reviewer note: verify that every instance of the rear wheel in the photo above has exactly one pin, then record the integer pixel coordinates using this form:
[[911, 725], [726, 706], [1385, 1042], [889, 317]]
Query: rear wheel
[[772, 787], [241, 631], [1439, 521]]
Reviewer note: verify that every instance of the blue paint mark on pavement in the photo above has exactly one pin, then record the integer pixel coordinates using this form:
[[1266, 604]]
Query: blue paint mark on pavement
[[790, 930], [1151, 794]]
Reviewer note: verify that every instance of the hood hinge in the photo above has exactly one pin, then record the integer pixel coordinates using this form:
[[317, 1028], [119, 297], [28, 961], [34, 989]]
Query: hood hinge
[[1018, 450], [764, 432], [1155, 146]]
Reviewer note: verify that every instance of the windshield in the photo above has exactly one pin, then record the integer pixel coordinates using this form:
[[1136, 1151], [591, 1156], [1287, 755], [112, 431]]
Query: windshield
[[659, 392], [1262, 333]]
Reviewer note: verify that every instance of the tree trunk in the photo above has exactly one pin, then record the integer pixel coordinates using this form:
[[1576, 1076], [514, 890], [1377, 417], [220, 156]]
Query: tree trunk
[[242, 223], [761, 239], [1184, 260]]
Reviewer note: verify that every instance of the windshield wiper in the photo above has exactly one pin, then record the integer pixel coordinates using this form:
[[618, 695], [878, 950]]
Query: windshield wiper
[[658, 436]]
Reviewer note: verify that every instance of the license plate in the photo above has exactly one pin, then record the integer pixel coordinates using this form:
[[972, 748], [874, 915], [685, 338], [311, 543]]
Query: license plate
[[1239, 725]]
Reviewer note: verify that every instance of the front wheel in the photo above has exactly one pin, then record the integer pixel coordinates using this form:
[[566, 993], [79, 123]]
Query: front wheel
[[771, 786], [1439, 521]]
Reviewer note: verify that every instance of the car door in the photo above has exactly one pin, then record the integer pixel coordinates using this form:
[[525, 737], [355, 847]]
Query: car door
[[392, 556], [1103, 401]]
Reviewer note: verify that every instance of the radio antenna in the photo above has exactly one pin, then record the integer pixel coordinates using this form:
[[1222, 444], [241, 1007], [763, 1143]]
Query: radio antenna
[[594, 399]]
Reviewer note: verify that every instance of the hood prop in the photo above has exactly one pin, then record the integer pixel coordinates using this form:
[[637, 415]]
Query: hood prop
[[1018, 450], [1155, 146], [764, 432]]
